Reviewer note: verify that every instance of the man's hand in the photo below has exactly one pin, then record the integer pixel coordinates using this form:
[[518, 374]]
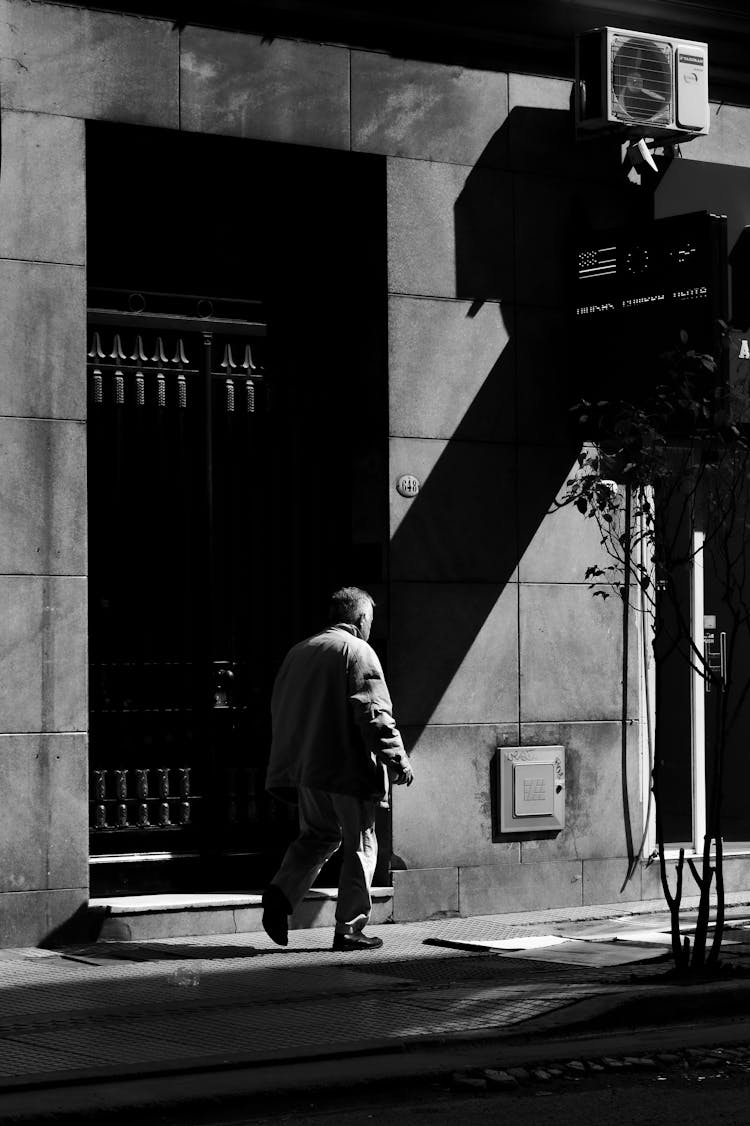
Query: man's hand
[[404, 777]]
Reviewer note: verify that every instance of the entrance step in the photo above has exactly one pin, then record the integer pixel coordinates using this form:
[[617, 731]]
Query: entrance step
[[140, 918]]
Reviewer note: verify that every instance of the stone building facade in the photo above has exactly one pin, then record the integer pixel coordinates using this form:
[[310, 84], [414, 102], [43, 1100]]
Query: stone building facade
[[469, 189]]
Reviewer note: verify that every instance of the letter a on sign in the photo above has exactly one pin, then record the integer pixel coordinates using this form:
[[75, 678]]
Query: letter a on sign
[[744, 350]]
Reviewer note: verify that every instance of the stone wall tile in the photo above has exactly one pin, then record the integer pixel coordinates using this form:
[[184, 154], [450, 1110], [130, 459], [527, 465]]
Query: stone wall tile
[[450, 231], [557, 544], [595, 827], [736, 872], [603, 880], [43, 662], [46, 223], [445, 818], [541, 133], [651, 881], [62, 59], [24, 780], [502, 888], [68, 814], [269, 89], [45, 841], [541, 137], [406, 107], [462, 524], [535, 91], [727, 140], [43, 329], [42, 497], [571, 654], [27, 918], [452, 372], [454, 652], [425, 893], [546, 376], [543, 225]]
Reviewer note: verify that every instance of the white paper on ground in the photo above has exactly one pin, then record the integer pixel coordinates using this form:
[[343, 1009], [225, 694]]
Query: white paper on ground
[[640, 938], [592, 954], [526, 942]]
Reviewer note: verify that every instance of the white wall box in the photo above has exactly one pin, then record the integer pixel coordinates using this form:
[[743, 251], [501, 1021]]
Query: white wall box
[[531, 789]]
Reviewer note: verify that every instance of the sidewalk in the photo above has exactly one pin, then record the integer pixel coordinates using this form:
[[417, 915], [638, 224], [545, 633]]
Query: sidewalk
[[122, 1013]]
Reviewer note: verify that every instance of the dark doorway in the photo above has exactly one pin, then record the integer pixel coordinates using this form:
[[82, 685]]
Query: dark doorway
[[237, 464]]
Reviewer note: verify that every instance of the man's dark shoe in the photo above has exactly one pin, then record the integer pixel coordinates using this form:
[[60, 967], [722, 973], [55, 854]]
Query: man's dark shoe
[[358, 941], [276, 907]]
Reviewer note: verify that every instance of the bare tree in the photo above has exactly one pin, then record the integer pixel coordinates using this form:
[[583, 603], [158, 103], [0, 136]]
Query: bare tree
[[652, 474]]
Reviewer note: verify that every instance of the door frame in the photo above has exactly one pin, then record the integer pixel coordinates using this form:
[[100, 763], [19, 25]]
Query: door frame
[[697, 724]]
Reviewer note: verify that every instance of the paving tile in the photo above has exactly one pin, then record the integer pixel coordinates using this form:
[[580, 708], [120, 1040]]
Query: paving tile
[[58, 1015], [124, 988], [176, 1036], [20, 1058]]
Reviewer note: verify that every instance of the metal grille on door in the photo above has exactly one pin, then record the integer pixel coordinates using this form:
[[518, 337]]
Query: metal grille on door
[[178, 702]]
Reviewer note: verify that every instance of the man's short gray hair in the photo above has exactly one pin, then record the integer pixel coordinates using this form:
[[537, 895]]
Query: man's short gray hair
[[349, 604]]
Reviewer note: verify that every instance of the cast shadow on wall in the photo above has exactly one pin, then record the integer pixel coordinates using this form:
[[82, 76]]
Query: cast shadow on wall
[[455, 553]]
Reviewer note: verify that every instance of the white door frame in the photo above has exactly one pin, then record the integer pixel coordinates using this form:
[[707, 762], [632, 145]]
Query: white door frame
[[647, 680], [698, 693]]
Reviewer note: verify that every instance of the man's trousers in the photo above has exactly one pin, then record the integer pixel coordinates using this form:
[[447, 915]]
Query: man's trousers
[[329, 821]]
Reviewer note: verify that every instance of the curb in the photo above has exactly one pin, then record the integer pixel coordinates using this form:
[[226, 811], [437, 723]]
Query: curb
[[594, 1034], [449, 1064], [641, 1008], [721, 1060], [612, 1012]]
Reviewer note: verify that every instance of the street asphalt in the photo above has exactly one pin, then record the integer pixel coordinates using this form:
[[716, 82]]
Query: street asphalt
[[121, 1027]]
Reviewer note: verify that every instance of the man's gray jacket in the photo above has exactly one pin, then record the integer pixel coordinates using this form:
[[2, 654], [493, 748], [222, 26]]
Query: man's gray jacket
[[332, 719]]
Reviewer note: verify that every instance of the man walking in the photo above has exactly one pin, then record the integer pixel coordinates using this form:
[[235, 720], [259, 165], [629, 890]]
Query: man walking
[[335, 750]]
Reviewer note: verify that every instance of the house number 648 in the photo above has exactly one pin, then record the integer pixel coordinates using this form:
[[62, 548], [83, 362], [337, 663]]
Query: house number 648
[[407, 485]]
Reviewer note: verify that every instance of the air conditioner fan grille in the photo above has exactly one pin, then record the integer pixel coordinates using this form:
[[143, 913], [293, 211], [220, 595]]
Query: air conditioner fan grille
[[641, 80]]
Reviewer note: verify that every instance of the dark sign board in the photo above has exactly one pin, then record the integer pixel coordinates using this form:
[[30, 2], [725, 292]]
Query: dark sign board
[[636, 290]]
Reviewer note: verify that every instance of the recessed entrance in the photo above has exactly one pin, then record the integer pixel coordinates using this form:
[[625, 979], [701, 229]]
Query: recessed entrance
[[237, 467]]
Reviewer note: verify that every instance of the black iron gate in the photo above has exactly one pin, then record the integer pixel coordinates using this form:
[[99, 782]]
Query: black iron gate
[[178, 448]]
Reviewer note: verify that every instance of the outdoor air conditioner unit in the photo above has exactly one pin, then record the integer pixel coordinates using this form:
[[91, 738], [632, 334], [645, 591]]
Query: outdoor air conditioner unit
[[641, 85]]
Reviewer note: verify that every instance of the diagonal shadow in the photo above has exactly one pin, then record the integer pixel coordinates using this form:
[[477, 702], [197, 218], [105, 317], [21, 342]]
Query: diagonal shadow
[[489, 483]]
